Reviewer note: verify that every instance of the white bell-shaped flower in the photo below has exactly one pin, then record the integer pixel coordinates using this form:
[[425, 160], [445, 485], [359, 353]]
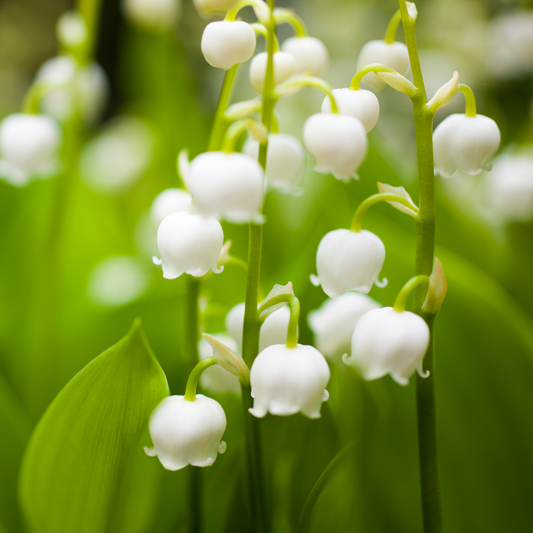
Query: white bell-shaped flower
[[510, 187], [189, 244], [210, 7], [159, 15], [310, 54], [337, 142], [360, 104], [284, 68], [29, 146], [285, 160], [216, 379], [226, 43], [465, 143], [349, 261], [187, 432], [167, 202], [71, 85], [394, 55], [334, 322], [229, 186], [286, 381], [273, 329], [392, 342]]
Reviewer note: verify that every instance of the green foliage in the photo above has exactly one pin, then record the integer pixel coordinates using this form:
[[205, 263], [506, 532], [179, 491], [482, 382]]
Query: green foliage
[[85, 469]]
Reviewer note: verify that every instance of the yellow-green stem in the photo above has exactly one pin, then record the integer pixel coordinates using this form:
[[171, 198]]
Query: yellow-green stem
[[471, 109], [194, 377], [355, 84], [407, 289], [390, 36], [290, 17]]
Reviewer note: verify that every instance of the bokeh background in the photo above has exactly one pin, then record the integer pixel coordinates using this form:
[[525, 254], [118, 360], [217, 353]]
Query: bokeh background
[[93, 226]]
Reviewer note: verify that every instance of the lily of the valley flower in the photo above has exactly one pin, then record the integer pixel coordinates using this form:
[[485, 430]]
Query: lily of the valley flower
[[29, 146], [309, 52], [360, 104], [337, 142], [187, 432], [227, 43], [227, 185], [285, 160], [153, 14], [284, 67], [394, 55], [334, 322], [167, 202], [465, 143], [286, 381], [386, 341], [189, 244], [349, 261]]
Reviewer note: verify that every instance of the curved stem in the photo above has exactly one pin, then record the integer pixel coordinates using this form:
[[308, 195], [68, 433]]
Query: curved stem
[[307, 81], [425, 245], [407, 289], [471, 109], [390, 36], [194, 377], [233, 133], [290, 17], [355, 84], [292, 330], [372, 200], [221, 123], [260, 29]]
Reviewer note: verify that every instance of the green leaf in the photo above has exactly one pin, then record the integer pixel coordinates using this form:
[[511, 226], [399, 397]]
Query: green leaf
[[85, 469]]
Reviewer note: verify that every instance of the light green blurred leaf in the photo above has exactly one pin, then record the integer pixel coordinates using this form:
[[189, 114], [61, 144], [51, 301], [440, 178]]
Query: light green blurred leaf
[[84, 469]]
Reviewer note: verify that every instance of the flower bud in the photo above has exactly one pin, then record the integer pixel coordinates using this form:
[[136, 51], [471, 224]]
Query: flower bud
[[337, 142], [360, 104], [216, 379], [185, 432], [189, 244], [310, 54], [273, 329], [465, 143], [392, 342], [167, 202], [29, 145], [284, 68], [349, 261], [286, 381], [334, 322], [393, 55], [227, 185], [210, 7], [285, 160], [156, 15], [71, 86], [228, 43]]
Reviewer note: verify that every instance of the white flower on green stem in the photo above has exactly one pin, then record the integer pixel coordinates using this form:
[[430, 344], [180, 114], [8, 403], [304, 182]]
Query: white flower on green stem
[[334, 321], [285, 161], [284, 67], [337, 142], [348, 261], [360, 104], [187, 432], [286, 381], [29, 146], [386, 341], [169, 201], [227, 185], [209, 7], [227, 43], [189, 244], [310, 54], [394, 55], [160, 15], [465, 143]]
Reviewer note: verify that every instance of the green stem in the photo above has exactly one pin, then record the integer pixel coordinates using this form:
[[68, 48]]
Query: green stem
[[194, 377], [308, 81], [425, 246], [390, 36], [90, 11], [292, 330], [355, 84], [290, 17], [357, 220], [221, 123], [471, 109], [260, 29], [407, 289], [192, 322]]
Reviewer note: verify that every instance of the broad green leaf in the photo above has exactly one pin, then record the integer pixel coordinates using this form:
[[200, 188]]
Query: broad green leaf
[[85, 469]]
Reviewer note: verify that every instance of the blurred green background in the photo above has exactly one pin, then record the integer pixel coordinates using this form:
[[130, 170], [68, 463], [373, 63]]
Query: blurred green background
[[56, 314]]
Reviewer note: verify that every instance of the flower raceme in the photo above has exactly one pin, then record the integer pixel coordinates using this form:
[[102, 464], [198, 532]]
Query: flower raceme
[[284, 67], [337, 142], [309, 52], [187, 432], [386, 341]]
